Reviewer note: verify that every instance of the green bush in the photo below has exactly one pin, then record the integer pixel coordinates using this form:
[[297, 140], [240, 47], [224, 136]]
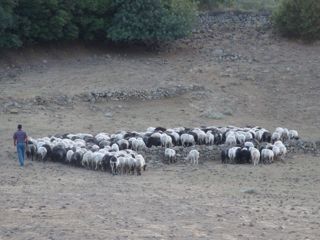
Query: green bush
[[151, 21], [8, 36], [298, 18], [37, 21]]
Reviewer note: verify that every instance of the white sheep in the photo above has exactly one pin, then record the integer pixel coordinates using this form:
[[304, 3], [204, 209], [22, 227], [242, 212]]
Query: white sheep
[[249, 145], [255, 156], [209, 138], [267, 156], [170, 155], [140, 164], [166, 140], [276, 136], [187, 139], [87, 159], [277, 152], [115, 147], [232, 153], [293, 134], [201, 135], [282, 148], [193, 157], [231, 140], [41, 153], [69, 156]]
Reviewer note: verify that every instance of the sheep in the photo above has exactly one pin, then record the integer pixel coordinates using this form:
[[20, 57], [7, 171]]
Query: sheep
[[282, 148], [123, 144], [153, 140], [170, 155], [293, 134], [193, 157], [267, 156], [114, 164], [115, 147], [234, 154], [255, 156], [248, 145], [276, 152], [224, 155], [140, 164], [276, 136], [87, 159], [58, 154], [244, 156], [187, 140], [97, 160], [41, 153], [31, 149], [209, 140], [69, 155], [231, 140], [241, 138], [166, 140], [201, 135], [174, 136]]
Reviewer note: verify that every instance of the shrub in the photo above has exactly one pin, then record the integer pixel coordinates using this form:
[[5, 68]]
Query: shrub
[[298, 18], [151, 21], [8, 37]]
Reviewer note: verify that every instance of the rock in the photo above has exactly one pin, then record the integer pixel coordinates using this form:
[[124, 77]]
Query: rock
[[14, 111], [248, 190], [108, 114]]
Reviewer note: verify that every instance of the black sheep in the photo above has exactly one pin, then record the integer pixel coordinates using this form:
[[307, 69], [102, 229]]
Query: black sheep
[[224, 156], [58, 154]]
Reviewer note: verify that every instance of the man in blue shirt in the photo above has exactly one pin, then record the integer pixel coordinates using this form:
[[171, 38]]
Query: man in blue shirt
[[20, 141]]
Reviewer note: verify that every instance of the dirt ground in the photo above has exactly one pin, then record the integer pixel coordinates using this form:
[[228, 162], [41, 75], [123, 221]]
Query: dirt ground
[[273, 82]]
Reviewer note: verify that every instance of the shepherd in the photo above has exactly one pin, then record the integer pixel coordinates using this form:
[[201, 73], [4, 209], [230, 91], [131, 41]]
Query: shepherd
[[20, 141]]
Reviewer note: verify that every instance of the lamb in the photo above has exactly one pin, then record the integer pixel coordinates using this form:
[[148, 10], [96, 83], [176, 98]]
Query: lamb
[[267, 156], [170, 155], [255, 156], [193, 157]]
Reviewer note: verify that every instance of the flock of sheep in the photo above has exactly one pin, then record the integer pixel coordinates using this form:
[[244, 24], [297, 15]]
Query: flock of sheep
[[121, 153]]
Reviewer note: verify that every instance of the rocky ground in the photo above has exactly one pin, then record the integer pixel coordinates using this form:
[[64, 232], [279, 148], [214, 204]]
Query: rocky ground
[[232, 70]]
